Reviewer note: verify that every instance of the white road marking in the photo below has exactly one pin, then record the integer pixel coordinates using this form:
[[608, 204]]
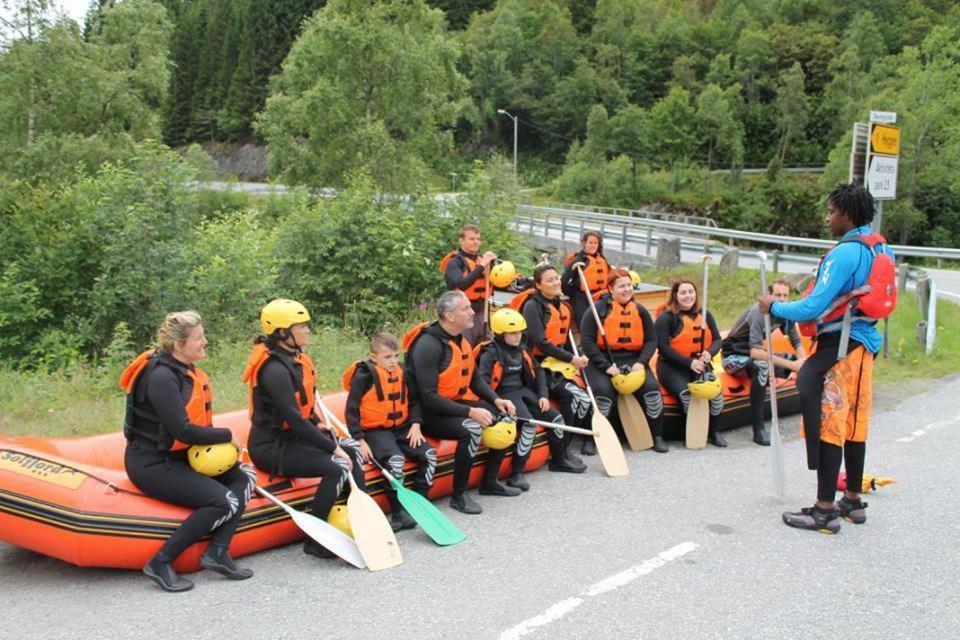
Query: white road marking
[[930, 427], [558, 610]]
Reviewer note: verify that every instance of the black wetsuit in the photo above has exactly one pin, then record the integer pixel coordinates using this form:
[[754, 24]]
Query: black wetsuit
[[570, 281], [163, 391], [389, 446], [673, 367], [456, 279], [447, 419], [573, 401], [525, 391], [303, 450], [648, 394]]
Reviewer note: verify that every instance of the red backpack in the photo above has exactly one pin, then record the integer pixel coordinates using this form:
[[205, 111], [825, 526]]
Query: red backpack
[[875, 299]]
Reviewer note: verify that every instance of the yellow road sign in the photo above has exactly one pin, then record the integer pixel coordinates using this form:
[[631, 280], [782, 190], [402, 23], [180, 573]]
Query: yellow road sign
[[885, 139]]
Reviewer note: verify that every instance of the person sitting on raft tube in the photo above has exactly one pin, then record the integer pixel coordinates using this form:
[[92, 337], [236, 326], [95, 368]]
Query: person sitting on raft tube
[[168, 410], [745, 355], [632, 341], [444, 370], [549, 320], [466, 270], [383, 415], [836, 392], [686, 349], [595, 268], [508, 366], [287, 437]]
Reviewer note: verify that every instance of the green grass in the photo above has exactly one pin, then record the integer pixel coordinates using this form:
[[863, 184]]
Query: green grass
[[86, 399]]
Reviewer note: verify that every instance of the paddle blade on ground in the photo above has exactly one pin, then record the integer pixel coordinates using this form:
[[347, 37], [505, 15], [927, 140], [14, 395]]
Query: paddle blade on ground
[[698, 422], [608, 444], [634, 422], [431, 520], [375, 539], [322, 532]]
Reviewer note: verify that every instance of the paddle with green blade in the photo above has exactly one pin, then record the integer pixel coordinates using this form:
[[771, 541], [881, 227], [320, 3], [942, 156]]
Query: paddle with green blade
[[431, 520]]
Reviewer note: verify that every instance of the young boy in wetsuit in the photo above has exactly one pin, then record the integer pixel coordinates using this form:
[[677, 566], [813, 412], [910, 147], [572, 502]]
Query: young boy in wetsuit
[[384, 416]]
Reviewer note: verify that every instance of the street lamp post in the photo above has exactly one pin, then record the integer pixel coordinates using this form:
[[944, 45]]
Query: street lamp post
[[514, 118]]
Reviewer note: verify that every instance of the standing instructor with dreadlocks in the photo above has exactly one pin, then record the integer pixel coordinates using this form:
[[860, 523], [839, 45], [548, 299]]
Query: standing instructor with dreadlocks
[[836, 388]]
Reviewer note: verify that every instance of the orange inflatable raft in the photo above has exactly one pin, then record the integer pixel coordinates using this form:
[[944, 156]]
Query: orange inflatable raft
[[71, 499]]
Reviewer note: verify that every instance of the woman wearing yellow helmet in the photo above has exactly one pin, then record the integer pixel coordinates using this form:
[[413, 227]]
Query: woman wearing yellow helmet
[[287, 438], [687, 345], [160, 426], [620, 354]]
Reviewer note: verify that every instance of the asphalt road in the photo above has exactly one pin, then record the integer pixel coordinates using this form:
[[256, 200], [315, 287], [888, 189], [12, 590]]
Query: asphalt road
[[690, 545]]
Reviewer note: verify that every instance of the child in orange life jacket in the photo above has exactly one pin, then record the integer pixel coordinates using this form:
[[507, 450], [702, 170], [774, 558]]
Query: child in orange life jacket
[[509, 368], [384, 416]]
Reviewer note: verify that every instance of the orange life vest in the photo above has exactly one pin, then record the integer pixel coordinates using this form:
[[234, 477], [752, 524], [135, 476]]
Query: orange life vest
[[622, 324], [693, 337], [304, 389], [385, 404], [199, 406], [453, 383], [478, 288], [496, 374], [596, 272], [556, 323]]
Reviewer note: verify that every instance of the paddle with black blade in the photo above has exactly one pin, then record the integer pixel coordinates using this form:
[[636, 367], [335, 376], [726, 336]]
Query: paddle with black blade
[[431, 520], [698, 411], [632, 417], [375, 539], [608, 445], [321, 532], [776, 445]]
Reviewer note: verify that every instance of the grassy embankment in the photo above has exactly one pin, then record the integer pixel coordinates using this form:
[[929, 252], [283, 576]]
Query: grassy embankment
[[86, 400]]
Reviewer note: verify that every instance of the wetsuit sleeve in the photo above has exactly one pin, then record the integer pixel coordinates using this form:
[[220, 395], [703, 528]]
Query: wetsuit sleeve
[[426, 357], [570, 281], [480, 387], [485, 364], [537, 334], [163, 393], [834, 277], [455, 278], [276, 381], [665, 325], [794, 334], [588, 341], [359, 385], [715, 333], [757, 339], [542, 389], [649, 337], [414, 409]]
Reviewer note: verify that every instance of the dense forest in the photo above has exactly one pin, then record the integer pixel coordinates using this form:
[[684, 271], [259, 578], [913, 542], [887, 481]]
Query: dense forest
[[618, 102]]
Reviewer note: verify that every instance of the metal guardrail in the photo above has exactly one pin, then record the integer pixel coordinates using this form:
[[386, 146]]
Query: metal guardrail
[[635, 213], [572, 219]]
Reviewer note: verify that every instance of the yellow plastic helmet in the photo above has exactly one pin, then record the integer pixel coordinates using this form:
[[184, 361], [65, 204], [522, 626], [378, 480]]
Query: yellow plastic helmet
[[708, 387], [339, 518], [635, 278], [627, 383], [502, 274], [507, 321], [212, 459], [566, 369], [500, 435], [282, 314]]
